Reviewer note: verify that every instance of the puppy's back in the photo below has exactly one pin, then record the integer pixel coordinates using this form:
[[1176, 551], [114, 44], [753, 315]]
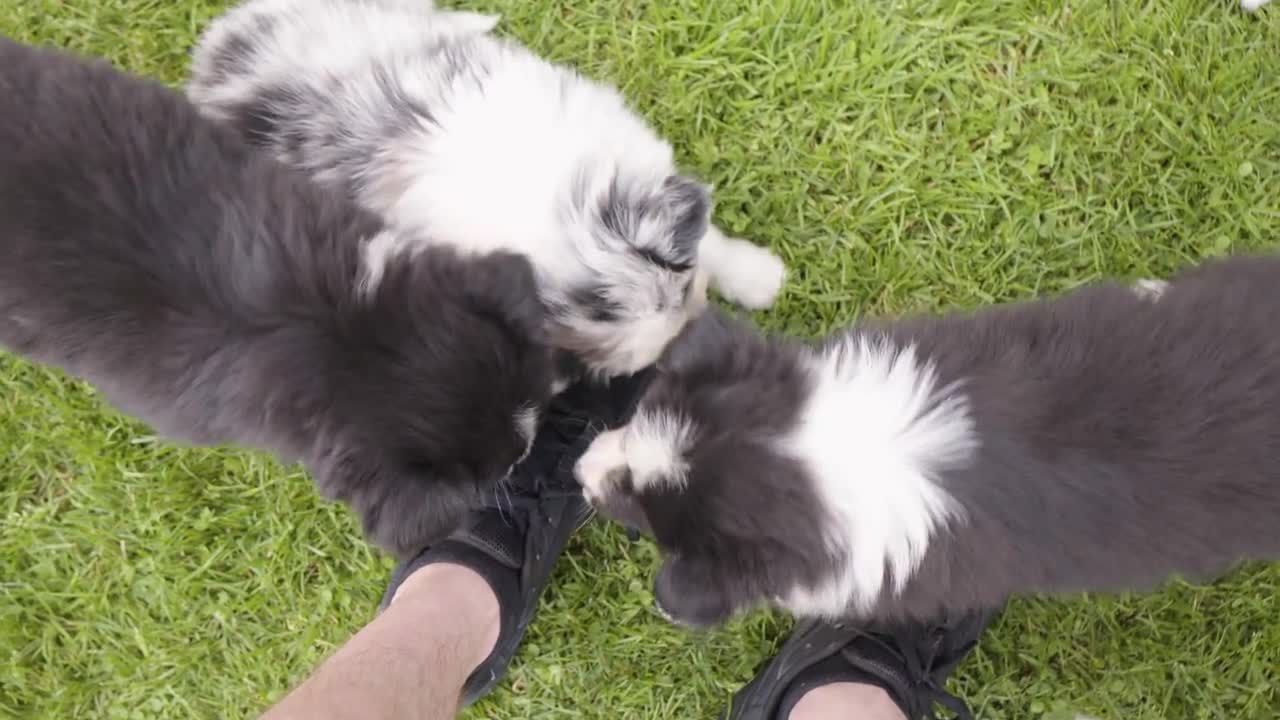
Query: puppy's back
[[117, 200], [87, 147], [141, 246]]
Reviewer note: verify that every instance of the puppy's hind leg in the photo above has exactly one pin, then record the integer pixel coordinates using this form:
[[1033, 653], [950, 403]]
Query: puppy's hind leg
[[741, 271]]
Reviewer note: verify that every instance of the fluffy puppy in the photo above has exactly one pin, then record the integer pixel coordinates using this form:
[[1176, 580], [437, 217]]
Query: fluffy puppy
[[432, 122], [223, 298], [1100, 441]]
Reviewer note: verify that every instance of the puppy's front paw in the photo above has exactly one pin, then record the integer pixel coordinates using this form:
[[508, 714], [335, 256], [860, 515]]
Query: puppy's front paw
[[1150, 289], [752, 275], [473, 22]]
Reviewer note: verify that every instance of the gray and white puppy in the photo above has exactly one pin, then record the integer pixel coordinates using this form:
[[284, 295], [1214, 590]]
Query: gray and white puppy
[[223, 298], [479, 144], [1102, 441]]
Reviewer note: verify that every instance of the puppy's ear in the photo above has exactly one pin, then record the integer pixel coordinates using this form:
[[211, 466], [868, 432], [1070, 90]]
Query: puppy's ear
[[505, 286], [689, 203], [706, 337], [686, 594]]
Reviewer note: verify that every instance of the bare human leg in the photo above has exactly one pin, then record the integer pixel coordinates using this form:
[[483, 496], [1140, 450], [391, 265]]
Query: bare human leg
[[846, 700], [410, 662]]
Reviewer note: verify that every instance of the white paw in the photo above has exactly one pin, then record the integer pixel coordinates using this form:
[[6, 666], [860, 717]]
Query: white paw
[[1150, 289], [473, 22], [751, 276], [1251, 5]]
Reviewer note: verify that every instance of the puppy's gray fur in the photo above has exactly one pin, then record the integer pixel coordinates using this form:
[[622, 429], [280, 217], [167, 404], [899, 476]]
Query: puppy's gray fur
[[217, 296]]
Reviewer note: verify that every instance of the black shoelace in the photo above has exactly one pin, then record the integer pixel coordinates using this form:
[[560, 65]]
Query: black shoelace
[[570, 421], [548, 471], [920, 650]]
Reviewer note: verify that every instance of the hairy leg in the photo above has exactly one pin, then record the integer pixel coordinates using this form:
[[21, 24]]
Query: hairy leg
[[411, 661]]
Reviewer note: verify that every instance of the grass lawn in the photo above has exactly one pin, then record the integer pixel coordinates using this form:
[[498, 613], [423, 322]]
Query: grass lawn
[[901, 155]]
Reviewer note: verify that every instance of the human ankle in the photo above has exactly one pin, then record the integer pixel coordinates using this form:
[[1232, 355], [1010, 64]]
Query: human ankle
[[845, 701], [460, 594]]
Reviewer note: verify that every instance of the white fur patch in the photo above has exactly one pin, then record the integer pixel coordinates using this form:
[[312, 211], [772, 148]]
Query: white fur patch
[[875, 433], [508, 152], [1252, 5], [1150, 289], [377, 252], [651, 446], [560, 384], [526, 420], [602, 457], [654, 445]]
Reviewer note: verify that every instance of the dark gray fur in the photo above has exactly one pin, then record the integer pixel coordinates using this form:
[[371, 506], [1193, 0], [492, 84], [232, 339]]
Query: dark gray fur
[[1123, 441], [211, 292]]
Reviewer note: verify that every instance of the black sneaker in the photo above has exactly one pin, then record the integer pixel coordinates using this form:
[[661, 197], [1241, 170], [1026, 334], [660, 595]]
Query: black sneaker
[[910, 662], [515, 540]]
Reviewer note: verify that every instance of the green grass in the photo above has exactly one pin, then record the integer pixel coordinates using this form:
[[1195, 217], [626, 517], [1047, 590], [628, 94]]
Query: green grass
[[901, 155]]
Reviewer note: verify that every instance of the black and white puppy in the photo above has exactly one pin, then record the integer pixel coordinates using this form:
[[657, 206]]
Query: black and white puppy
[[436, 124], [223, 298], [1100, 441]]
